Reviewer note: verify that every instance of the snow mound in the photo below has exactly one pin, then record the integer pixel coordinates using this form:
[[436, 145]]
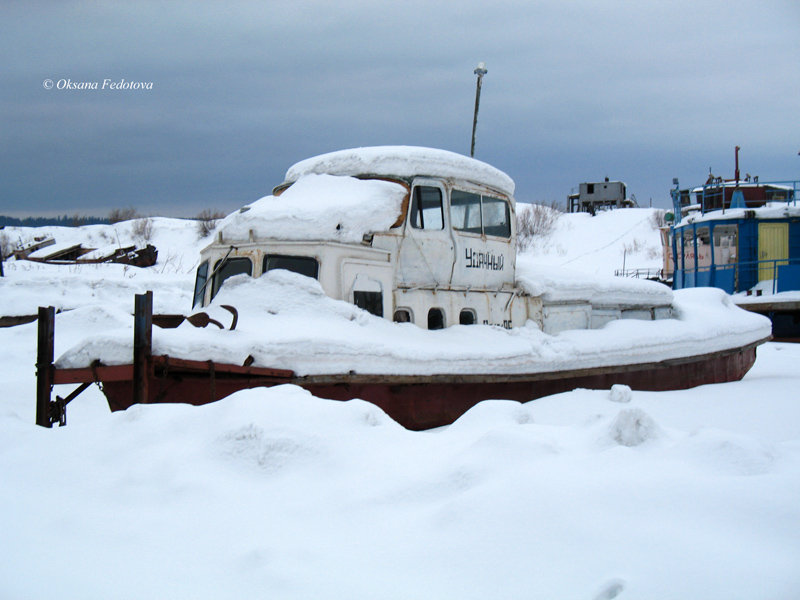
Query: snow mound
[[632, 427], [403, 161], [620, 393], [560, 284]]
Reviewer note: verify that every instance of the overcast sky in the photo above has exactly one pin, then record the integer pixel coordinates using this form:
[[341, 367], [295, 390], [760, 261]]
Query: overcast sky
[[640, 91]]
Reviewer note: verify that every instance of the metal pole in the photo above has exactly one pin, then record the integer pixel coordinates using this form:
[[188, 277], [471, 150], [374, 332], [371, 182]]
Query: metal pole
[[142, 345], [44, 365], [480, 72]]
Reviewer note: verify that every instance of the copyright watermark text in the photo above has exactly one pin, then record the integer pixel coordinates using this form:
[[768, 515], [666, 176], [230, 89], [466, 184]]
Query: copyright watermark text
[[106, 84]]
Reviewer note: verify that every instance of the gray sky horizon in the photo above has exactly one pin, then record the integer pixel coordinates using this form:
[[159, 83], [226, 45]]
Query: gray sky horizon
[[576, 91]]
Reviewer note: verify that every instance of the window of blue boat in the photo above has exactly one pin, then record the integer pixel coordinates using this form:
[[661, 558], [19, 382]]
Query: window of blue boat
[[200, 284], [229, 268], [304, 265], [426, 208], [726, 244]]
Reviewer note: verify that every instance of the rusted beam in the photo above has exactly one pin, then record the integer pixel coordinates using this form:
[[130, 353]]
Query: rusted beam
[[142, 346], [44, 365], [91, 374]]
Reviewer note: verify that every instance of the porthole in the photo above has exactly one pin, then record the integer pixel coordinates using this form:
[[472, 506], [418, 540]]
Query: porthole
[[402, 315], [436, 318], [467, 317]]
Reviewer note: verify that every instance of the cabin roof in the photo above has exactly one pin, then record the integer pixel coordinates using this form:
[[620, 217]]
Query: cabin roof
[[403, 162], [319, 208]]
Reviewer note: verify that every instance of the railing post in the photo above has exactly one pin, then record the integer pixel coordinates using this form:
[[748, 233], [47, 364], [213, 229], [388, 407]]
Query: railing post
[[142, 346], [44, 365]]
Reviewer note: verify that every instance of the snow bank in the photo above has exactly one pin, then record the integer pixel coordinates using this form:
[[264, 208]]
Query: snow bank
[[571, 496], [600, 244], [403, 161], [693, 494], [319, 208], [562, 284], [286, 321]]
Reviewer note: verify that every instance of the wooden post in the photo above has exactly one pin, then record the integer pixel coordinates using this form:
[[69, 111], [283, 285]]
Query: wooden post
[[44, 365], [142, 346]]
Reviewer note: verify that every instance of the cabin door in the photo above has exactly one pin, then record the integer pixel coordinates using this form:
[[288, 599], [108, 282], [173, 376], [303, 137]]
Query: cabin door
[[773, 245], [427, 251]]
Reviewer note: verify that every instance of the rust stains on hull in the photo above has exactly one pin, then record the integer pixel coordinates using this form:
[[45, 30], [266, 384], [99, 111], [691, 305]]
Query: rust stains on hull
[[416, 402]]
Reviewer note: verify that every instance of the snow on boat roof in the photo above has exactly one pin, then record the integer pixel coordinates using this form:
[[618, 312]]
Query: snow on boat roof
[[773, 210], [319, 208], [403, 161]]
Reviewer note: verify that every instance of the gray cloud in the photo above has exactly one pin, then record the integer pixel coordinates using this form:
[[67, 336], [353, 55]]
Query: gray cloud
[[642, 92]]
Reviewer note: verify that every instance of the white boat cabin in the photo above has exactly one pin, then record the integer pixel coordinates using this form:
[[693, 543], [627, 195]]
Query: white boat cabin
[[411, 234]]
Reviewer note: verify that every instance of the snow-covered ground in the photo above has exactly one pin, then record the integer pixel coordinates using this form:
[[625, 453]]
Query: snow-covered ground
[[272, 493]]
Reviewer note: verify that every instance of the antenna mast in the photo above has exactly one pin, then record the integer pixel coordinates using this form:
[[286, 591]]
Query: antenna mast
[[480, 72]]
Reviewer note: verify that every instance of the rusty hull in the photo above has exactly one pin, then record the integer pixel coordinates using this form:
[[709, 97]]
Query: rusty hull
[[415, 402]]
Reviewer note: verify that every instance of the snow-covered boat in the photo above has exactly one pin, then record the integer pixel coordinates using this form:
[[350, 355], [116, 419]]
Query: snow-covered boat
[[741, 236], [390, 274]]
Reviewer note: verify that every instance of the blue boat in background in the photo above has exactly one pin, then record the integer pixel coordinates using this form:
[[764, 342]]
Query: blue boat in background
[[742, 236]]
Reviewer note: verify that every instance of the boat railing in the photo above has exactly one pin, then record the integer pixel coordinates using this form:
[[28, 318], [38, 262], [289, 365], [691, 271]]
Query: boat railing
[[712, 196], [654, 274], [783, 273]]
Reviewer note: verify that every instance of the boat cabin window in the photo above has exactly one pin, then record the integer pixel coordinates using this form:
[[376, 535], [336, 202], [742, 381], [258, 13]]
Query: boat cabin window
[[436, 318], [372, 302], [726, 244], [703, 237], [200, 284], [229, 268], [402, 315], [496, 217], [465, 211], [426, 208], [467, 317], [473, 213], [304, 265]]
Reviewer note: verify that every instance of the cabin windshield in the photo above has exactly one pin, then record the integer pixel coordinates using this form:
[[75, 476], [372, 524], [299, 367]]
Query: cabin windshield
[[200, 284], [473, 213], [229, 268], [304, 265], [426, 208]]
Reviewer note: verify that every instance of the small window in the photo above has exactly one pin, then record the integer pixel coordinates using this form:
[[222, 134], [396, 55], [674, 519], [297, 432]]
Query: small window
[[590, 188], [465, 211], [229, 268], [402, 315], [496, 217], [467, 317], [436, 318], [304, 265], [485, 215], [372, 302], [200, 284], [426, 208]]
